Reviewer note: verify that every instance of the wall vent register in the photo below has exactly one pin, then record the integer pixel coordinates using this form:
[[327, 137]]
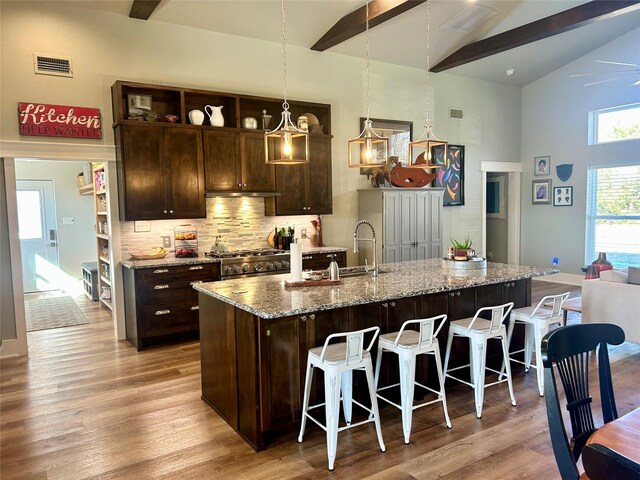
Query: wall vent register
[[49, 65]]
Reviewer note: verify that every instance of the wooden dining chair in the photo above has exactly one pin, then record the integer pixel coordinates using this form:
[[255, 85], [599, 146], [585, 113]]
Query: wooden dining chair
[[569, 349]]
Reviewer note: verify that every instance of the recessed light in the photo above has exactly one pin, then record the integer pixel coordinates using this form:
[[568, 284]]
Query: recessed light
[[510, 71]]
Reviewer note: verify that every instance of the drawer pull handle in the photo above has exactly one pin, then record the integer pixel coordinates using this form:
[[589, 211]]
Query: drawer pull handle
[[393, 304], [197, 267], [160, 287], [195, 307], [451, 294], [161, 270], [303, 318], [162, 312], [385, 304], [307, 257]]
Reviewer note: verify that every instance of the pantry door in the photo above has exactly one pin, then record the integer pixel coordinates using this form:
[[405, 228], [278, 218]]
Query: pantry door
[[38, 234]]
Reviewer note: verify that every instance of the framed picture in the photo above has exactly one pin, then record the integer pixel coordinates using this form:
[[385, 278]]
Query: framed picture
[[138, 104], [541, 166], [541, 192], [563, 196], [399, 133], [451, 175]]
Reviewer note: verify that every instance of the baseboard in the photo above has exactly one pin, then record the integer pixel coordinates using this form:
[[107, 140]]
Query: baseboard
[[565, 278], [12, 348]]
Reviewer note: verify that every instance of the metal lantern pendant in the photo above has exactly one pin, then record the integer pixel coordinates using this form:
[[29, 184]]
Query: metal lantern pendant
[[286, 144], [422, 151], [369, 149]]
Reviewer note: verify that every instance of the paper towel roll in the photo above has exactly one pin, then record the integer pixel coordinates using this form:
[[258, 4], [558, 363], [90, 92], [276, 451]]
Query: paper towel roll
[[296, 262]]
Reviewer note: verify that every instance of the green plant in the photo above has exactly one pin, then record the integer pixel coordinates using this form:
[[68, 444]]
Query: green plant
[[461, 245]]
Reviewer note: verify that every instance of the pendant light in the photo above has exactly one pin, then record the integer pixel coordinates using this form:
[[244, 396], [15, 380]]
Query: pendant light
[[421, 150], [286, 144], [369, 149]]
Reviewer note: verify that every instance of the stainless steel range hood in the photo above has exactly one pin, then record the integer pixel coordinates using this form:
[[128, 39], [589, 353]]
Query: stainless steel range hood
[[241, 194]]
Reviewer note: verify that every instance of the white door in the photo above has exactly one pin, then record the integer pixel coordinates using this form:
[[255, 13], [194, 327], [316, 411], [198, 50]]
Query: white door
[[38, 234]]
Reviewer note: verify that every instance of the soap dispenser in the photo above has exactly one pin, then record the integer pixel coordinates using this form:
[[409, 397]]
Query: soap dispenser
[[334, 271]]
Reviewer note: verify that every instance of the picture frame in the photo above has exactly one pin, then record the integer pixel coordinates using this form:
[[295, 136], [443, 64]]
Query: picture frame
[[399, 133], [138, 104], [563, 196], [451, 175], [541, 192], [542, 166]]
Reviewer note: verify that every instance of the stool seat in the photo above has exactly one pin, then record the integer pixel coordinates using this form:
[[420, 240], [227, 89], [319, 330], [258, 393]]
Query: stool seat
[[531, 311], [338, 361], [408, 344], [478, 331]]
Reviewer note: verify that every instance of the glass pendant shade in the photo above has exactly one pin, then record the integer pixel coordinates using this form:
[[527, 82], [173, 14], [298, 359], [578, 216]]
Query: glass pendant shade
[[286, 144], [422, 152], [369, 149]]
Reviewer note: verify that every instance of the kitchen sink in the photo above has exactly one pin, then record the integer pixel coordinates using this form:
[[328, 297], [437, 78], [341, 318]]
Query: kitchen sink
[[358, 271]]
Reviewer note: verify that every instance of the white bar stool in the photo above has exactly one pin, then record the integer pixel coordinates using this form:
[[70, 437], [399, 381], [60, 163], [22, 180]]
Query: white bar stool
[[408, 344], [478, 331], [338, 361], [537, 321]]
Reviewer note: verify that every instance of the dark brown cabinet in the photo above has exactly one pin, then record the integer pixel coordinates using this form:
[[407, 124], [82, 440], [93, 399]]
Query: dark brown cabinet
[[161, 305], [160, 172], [305, 189], [257, 176], [321, 261]]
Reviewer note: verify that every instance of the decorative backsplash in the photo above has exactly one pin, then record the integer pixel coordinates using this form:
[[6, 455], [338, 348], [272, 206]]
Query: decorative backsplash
[[239, 221]]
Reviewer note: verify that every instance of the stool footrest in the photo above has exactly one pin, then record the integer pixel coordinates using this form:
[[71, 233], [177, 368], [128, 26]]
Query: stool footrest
[[460, 380]]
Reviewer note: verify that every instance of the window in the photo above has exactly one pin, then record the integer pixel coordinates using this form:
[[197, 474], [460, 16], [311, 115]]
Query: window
[[613, 215], [614, 124]]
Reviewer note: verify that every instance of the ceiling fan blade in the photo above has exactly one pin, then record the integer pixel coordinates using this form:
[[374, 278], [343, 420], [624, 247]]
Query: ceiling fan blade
[[612, 72], [617, 63], [608, 80], [636, 83]]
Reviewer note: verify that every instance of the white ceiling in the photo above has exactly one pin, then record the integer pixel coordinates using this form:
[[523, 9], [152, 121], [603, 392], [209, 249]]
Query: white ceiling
[[401, 40]]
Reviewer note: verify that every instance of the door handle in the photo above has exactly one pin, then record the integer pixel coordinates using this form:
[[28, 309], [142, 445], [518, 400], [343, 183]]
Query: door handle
[[52, 235], [52, 244]]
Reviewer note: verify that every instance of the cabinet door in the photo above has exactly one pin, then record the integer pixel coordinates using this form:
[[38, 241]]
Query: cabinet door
[[435, 220], [407, 226], [185, 168], [319, 197], [222, 161], [141, 172], [391, 227], [257, 176], [290, 181], [422, 228]]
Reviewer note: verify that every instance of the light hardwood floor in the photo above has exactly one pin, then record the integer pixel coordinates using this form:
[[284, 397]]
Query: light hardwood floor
[[84, 405]]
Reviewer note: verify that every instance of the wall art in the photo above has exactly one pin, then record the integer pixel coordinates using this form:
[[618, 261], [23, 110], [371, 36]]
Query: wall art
[[563, 196], [541, 166], [541, 192], [451, 175]]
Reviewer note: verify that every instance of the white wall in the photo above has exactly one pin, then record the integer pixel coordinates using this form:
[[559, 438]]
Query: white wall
[[106, 47], [77, 242], [555, 113]]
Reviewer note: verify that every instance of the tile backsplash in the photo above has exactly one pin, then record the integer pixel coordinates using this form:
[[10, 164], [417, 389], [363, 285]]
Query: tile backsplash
[[239, 221]]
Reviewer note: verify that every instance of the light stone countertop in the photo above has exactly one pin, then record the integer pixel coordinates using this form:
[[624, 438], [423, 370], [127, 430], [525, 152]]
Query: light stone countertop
[[171, 261], [267, 297]]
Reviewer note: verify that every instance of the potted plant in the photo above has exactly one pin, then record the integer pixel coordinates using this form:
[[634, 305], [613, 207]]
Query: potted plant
[[462, 249]]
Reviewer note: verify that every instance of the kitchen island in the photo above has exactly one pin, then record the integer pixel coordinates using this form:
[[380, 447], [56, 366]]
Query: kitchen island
[[255, 333]]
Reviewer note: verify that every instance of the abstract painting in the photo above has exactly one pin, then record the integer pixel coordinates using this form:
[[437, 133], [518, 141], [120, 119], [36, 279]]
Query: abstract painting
[[451, 175]]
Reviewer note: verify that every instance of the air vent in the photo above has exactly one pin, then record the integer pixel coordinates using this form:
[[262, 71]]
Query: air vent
[[455, 113], [49, 65], [471, 18]]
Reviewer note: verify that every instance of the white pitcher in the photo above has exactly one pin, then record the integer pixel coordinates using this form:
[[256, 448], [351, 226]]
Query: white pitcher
[[215, 115], [196, 117]]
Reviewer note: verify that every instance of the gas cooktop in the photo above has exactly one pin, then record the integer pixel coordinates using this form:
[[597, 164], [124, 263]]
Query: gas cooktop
[[256, 252]]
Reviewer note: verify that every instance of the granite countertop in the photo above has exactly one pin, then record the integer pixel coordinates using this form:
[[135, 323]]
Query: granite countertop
[[267, 297], [171, 261]]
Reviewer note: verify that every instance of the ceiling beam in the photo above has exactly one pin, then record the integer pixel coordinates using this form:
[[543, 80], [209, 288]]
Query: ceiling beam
[[532, 32], [354, 23], [143, 9]]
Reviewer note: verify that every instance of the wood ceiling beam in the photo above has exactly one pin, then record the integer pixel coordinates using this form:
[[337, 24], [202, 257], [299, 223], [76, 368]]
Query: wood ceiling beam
[[143, 9], [354, 23], [532, 32]]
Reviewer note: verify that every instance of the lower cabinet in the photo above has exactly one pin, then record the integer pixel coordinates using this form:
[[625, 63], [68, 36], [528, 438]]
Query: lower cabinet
[[161, 305], [321, 261]]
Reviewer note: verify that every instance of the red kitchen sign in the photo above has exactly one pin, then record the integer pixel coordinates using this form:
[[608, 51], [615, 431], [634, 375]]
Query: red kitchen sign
[[44, 120]]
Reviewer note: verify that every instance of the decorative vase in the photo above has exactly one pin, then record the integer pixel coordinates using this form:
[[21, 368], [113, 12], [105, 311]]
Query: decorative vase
[[601, 263], [591, 273], [215, 115], [196, 117]]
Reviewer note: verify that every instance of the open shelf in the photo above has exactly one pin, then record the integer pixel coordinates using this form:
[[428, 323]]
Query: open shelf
[[86, 189]]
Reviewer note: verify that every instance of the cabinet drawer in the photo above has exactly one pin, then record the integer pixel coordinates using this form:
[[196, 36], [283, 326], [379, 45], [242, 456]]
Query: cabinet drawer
[[181, 274], [166, 293], [169, 319]]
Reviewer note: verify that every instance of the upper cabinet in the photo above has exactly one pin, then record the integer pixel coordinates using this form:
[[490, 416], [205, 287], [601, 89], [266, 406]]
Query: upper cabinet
[[172, 151]]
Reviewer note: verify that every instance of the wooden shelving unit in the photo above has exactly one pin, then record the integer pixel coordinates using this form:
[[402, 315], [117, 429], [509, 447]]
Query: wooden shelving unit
[[103, 233], [86, 189]]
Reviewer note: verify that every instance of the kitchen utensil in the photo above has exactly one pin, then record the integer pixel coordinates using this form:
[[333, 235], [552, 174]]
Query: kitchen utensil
[[334, 271], [215, 115], [249, 122]]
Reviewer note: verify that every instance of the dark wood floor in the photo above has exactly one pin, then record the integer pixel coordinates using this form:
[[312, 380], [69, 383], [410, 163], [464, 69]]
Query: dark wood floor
[[84, 405]]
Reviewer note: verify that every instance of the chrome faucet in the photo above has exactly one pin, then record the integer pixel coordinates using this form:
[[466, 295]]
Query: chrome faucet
[[372, 240]]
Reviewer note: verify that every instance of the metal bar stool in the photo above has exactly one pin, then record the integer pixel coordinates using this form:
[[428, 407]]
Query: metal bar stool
[[478, 331], [408, 344], [338, 361], [537, 321]]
